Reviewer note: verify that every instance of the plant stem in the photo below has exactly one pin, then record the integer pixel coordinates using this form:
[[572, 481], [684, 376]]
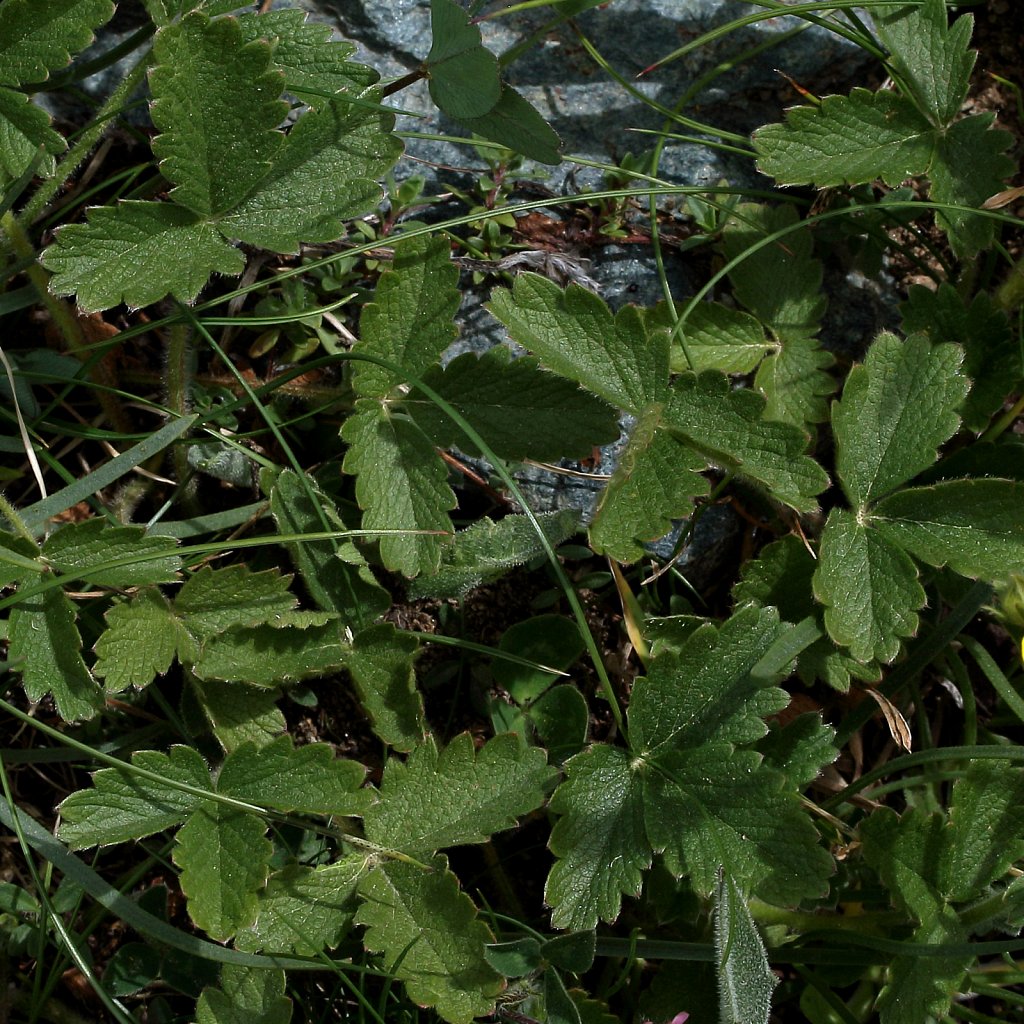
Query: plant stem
[[178, 384]]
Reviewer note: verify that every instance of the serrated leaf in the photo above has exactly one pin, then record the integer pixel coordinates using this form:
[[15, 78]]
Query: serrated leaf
[[324, 175], [514, 123], [896, 409], [847, 140], [574, 333], [305, 910], [401, 484], [430, 937], [518, 409], [435, 800], [486, 550], [217, 107], [655, 481], [140, 642], [121, 255], [599, 839], [800, 748], [464, 80], [247, 995], [381, 663], [410, 321], [267, 656], [745, 981], [796, 383], [46, 647], [288, 778], [223, 855], [334, 574], [992, 359], [869, 587], [313, 63], [24, 127], [215, 600], [716, 337], [39, 37], [726, 427], [122, 805], [238, 713], [974, 526], [77, 547], [930, 55]]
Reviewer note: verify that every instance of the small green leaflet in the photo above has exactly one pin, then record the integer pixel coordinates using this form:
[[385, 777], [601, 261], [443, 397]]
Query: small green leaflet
[[247, 995]]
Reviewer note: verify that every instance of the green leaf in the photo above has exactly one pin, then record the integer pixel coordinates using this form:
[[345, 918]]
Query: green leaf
[[305, 910], [869, 586], [796, 383], [46, 647], [121, 255], [518, 409], [726, 426], [896, 409], [287, 778], [324, 175], [930, 56], [514, 123], [745, 981], [239, 714], [334, 573], [458, 796], [514, 959], [217, 107], [847, 140], [800, 748], [717, 337], [599, 839], [77, 547], [655, 481], [39, 36], [24, 127], [248, 995], [464, 80], [381, 663], [223, 855], [430, 937], [486, 550], [215, 600], [573, 952], [574, 333], [140, 642], [973, 526], [409, 321], [401, 484], [123, 806]]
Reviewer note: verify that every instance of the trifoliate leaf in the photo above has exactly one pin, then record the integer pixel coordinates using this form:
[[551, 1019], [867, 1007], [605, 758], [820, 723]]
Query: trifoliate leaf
[[24, 127], [655, 481], [574, 333], [324, 175], [140, 642], [288, 778], [46, 647], [305, 910], [401, 485], [78, 547], [464, 80], [930, 56], [992, 359], [460, 795], [215, 600], [212, 147], [716, 337], [247, 995], [121, 255], [599, 839], [486, 550], [430, 938], [514, 123], [313, 63], [745, 981], [238, 713], [896, 409], [518, 409], [381, 663], [726, 427], [334, 573], [410, 321], [122, 805], [224, 856], [869, 587], [974, 526], [847, 140], [39, 37]]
